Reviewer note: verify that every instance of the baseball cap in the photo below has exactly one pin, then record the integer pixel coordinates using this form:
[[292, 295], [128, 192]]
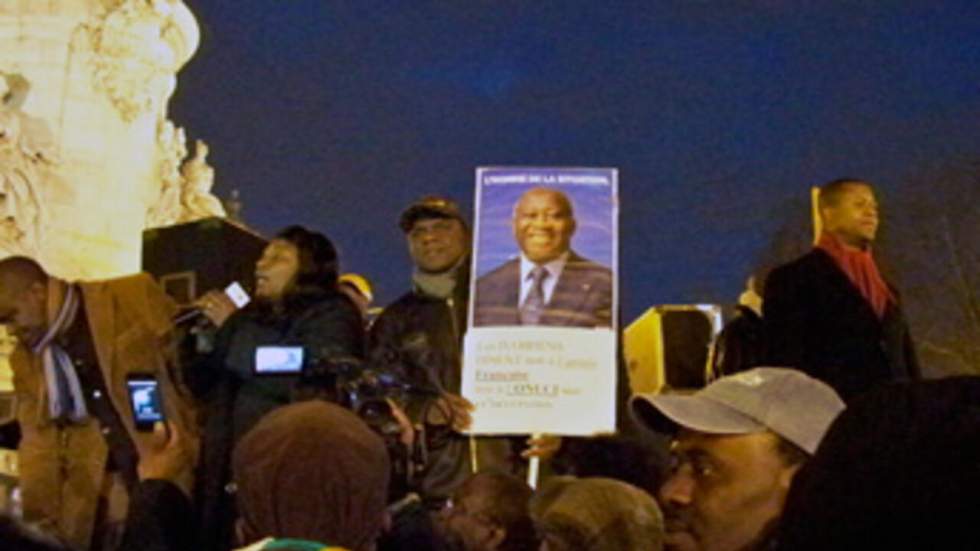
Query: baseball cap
[[430, 206], [785, 401]]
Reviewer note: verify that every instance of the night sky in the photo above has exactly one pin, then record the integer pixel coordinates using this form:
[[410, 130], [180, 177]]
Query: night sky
[[716, 113]]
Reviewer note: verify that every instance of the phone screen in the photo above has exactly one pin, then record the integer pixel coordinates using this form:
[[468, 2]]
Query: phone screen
[[144, 396], [278, 360]]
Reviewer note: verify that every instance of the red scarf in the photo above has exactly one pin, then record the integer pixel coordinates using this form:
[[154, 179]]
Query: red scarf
[[860, 268]]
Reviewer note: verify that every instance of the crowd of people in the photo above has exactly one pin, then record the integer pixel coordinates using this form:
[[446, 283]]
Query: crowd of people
[[365, 446]]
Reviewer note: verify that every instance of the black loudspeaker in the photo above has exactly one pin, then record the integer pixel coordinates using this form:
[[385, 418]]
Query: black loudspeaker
[[670, 346], [190, 259]]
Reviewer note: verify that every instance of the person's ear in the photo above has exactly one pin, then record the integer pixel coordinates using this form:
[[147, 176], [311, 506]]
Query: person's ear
[[386, 522], [36, 296], [787, 474], [38, 291], [497, 536], [826, 214]]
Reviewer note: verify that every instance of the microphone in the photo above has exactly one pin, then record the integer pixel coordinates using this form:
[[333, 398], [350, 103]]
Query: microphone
[[235, 292], [186, 315]]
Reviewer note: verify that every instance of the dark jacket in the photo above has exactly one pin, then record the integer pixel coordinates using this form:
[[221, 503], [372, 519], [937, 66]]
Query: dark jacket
[[818, 321], [235, 398], [898, 469], [160, 518], [741, 345], [419, 339], [582, 296]]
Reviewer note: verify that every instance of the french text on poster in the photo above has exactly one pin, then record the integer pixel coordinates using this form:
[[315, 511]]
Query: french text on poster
[[538, 380]]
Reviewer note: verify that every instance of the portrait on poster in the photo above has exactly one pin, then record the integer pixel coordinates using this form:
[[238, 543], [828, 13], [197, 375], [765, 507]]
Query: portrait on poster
[[545, 248], [540, 351]]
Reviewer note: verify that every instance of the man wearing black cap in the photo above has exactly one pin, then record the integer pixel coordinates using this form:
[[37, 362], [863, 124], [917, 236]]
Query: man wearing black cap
[[419, 338], [738, 444]]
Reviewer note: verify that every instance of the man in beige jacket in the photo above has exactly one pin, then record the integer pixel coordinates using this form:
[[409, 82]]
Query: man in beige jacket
[[78, 343]]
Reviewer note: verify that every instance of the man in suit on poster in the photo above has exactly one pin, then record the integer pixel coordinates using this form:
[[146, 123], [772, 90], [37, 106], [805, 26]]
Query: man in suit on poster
[[549, 284]]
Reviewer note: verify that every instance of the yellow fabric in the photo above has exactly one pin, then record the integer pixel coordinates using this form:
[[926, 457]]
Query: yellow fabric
[[360, 283], [815, 213]]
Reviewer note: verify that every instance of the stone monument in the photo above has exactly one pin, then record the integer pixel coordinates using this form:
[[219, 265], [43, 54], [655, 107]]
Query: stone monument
[[88, 157]]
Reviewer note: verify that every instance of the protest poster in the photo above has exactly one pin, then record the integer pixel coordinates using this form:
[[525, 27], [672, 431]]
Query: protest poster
[[540, 351]]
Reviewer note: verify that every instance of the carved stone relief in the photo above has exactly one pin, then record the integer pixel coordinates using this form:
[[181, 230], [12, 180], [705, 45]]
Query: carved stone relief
[[28, 158], [139, 45], [196, 200], [100, 75], [185, 185]]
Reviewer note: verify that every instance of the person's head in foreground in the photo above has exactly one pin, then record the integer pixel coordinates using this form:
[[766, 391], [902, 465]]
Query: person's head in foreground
[[900, 469], [738, 444], [488, 512], [312, 471], [595, 514]]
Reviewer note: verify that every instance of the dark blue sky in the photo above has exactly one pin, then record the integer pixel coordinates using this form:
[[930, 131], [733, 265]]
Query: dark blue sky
[[336, 114]]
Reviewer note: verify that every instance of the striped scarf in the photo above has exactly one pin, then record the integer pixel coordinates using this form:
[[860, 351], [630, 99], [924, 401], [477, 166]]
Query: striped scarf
[[65, 398]]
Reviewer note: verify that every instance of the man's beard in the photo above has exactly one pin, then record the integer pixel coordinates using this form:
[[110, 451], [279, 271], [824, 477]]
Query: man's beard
[[679, 535]]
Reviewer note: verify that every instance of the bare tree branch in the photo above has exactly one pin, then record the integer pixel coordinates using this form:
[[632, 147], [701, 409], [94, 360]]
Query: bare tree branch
[[971, 307]]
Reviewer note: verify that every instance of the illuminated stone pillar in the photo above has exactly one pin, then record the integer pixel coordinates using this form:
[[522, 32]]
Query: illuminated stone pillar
[[99, 74]]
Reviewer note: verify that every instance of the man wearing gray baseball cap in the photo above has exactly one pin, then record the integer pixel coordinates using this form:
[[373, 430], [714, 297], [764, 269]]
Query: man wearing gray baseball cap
[[737, 445]]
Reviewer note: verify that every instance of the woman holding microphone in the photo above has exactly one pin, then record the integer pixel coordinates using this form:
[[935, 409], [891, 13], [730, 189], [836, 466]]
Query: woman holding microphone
[[297, 314]]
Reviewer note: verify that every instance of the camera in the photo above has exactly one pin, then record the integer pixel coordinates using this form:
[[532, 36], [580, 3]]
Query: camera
[[366, 391]]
